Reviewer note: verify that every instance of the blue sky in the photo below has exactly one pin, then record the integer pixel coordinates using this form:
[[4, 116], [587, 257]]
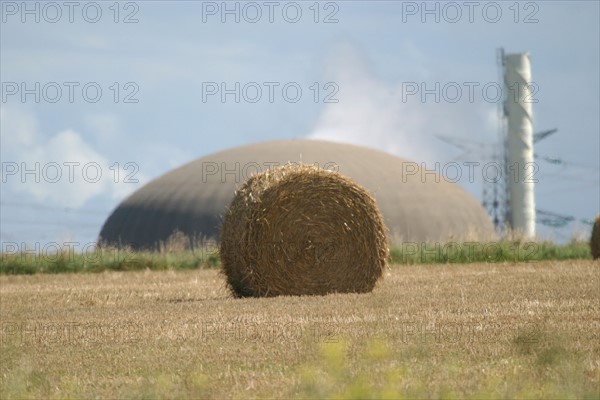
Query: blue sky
[[367, 53]]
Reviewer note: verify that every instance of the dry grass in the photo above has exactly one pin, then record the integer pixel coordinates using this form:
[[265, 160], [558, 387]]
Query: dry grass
[[477, 330]]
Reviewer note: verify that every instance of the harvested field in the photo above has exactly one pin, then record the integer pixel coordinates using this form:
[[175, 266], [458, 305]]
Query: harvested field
[[476, 330]]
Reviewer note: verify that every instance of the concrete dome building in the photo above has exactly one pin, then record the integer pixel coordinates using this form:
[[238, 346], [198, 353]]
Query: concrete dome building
[[193, 198]]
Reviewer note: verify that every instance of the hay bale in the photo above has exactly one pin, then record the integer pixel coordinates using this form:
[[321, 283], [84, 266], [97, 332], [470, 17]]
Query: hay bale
[[595, 239], [300, 230]]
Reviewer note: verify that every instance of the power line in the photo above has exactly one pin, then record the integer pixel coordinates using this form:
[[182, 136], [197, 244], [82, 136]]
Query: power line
[[496, 198], [560, 161], [558, 220]]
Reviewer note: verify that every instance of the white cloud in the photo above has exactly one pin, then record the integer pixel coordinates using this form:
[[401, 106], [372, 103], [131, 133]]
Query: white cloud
[[64, 169]]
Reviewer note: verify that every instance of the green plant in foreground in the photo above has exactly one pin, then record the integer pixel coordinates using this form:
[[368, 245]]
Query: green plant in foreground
[[334, 379], [540, 368]]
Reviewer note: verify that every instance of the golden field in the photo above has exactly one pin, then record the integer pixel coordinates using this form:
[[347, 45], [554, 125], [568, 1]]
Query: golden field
[[442, 330]]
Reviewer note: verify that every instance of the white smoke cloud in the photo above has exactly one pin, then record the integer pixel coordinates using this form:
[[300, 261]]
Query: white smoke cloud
[[369, 111], [372, 112]]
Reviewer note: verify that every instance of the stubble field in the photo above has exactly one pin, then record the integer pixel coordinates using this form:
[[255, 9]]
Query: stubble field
[[441, 330]]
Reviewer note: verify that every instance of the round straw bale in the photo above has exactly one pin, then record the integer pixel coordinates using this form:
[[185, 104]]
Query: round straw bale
[[595, 239], [300, 230]]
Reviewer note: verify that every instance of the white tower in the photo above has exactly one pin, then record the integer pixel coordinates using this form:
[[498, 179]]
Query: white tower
[[518, 99]]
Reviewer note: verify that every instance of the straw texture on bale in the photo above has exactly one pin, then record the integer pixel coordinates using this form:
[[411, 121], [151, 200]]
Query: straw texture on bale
[[300, 230], [595, 240]]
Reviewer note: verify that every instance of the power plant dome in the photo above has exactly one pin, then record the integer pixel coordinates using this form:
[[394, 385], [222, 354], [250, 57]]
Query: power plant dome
[[193, 198]]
